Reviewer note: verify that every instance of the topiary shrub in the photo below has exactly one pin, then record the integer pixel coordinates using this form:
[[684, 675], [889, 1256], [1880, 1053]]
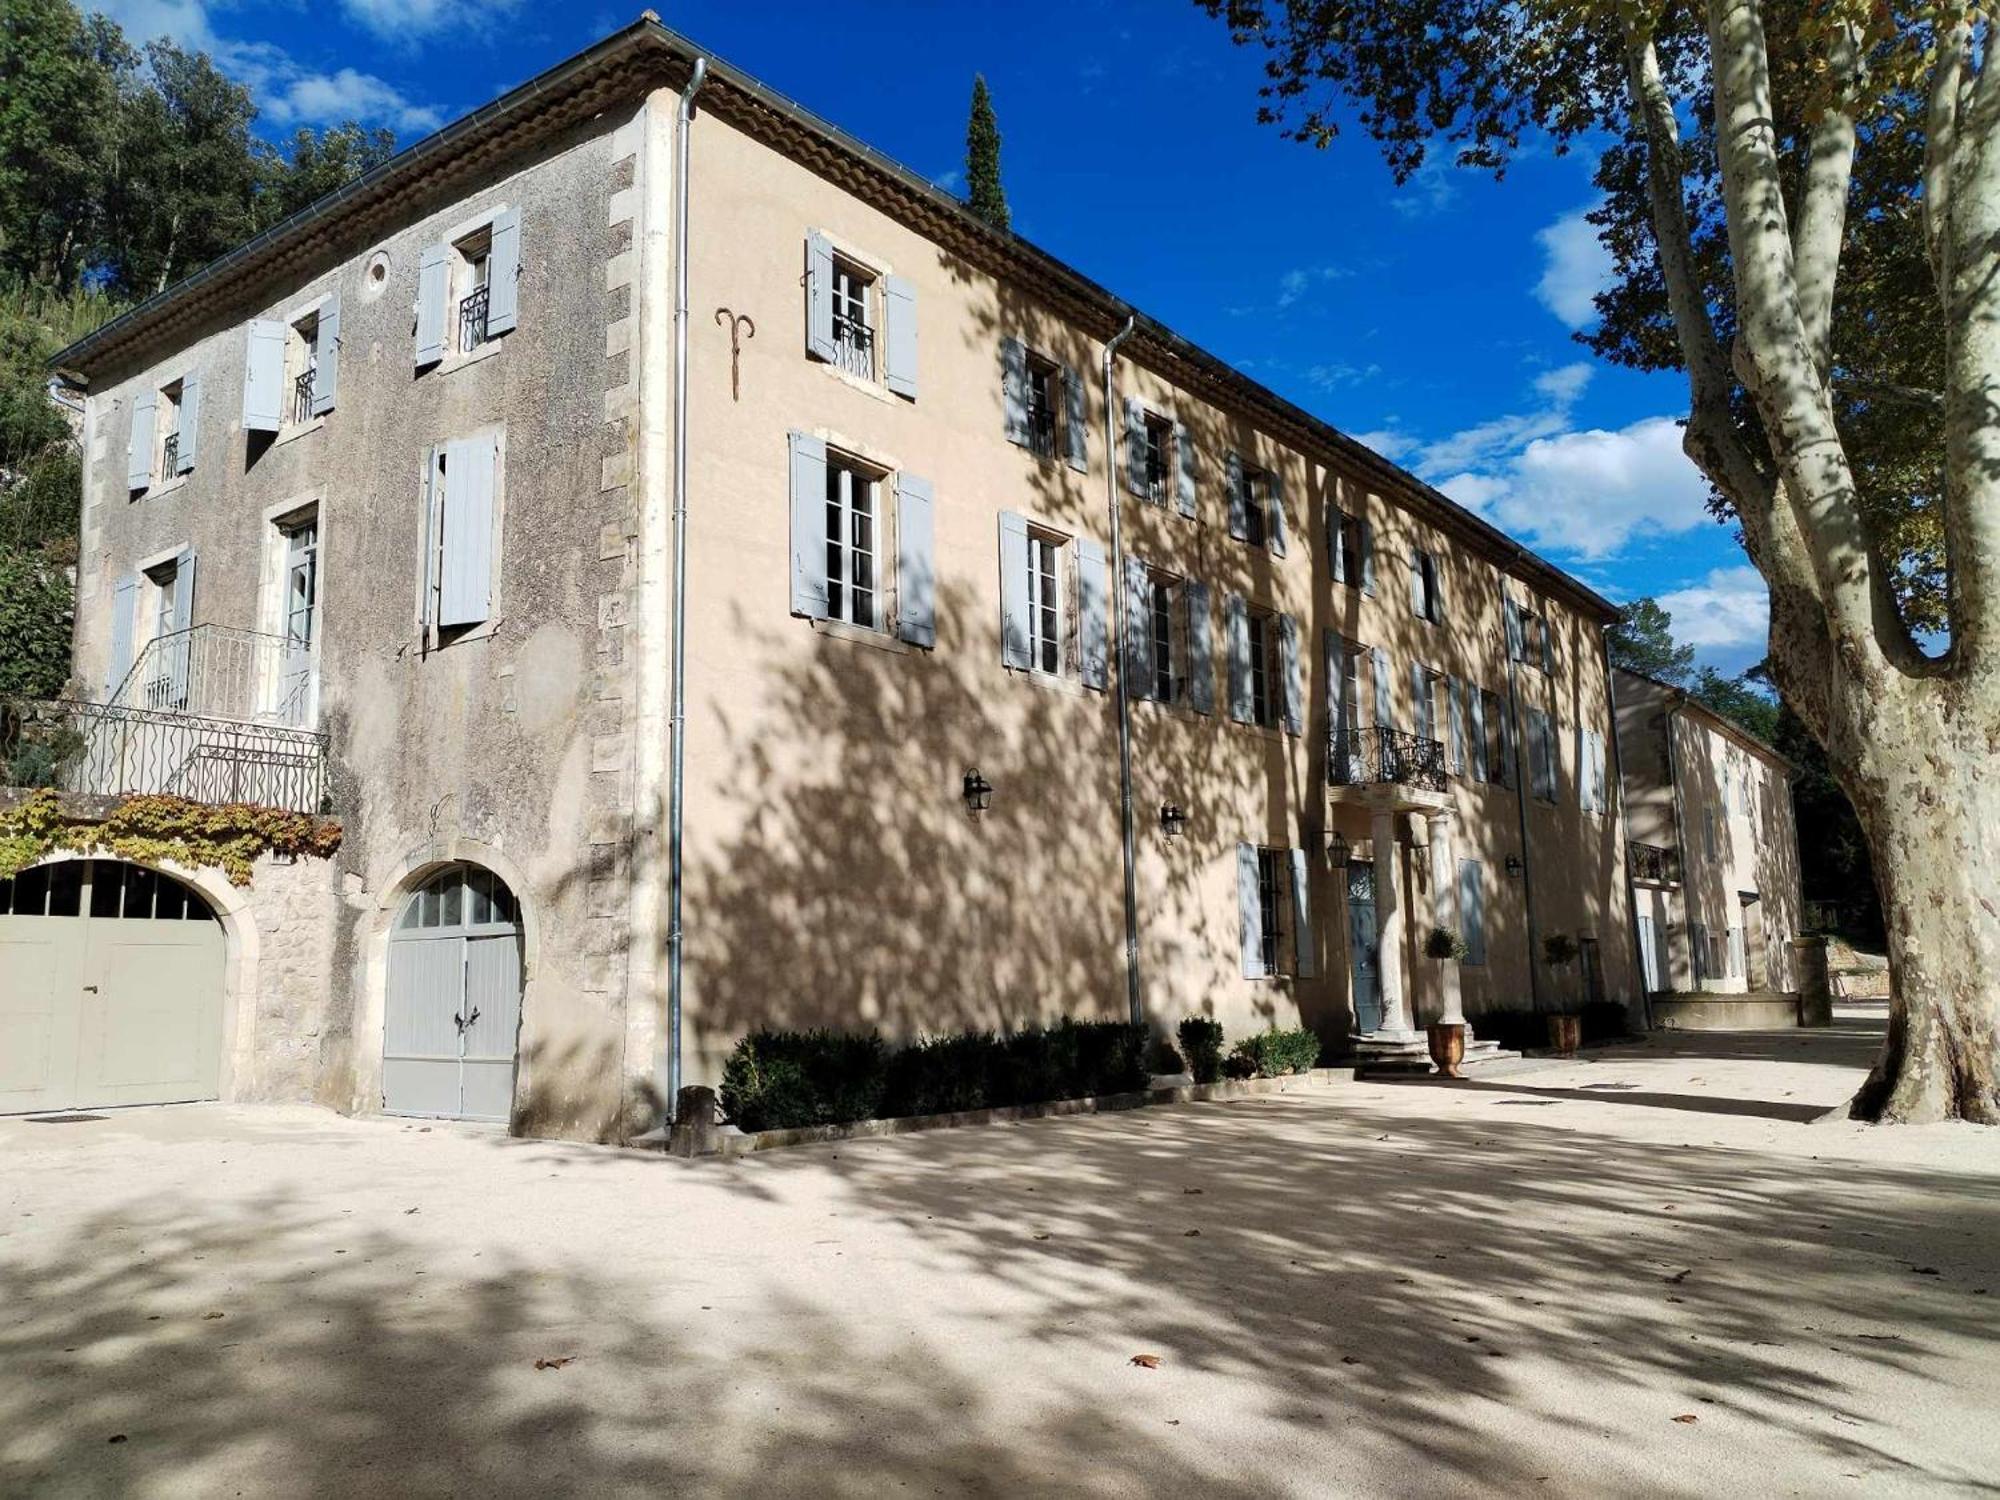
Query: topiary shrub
[[944, 1074], [1239, 1065], [1201, 1043], [786, 1080], [1165, 1057], [1273, 1053]]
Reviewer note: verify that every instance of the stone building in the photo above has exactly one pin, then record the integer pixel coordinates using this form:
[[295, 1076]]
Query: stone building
[[380, 516]]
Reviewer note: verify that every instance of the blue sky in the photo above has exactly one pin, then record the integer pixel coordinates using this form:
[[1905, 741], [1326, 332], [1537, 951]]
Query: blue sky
[[1433, 321]]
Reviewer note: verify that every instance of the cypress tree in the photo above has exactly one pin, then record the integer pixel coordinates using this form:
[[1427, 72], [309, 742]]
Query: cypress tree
[[983, 193]]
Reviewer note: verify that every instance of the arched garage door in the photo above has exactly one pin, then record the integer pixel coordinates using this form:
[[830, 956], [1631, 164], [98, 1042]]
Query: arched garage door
[[110, 988], [453, 1009]]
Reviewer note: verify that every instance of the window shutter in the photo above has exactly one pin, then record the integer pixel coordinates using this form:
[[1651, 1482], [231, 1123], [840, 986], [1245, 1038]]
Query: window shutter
[[1340, 708], [190, 421], [1367, 557], [1548, 646], [1437, 588], [1200, 649], [177, 650], [1600, 788], [326, 369], [1135, 446], [503, 273], [1076, 421], [1417, 584], [1239, 515], [139, 449], [1138, 657], [808, 479], [1583, 768], [427, 552], [1472, 910], [1237, 641], [1294, 685], [1014, 590], [1513, 617], [819, 297], [1454, 694], [433, 275], [1014, 390], [1420, 699], [1250, 910], [465, 585], [916, 561], [124, 606], [1336, 538], [264, 376], [1475, 707], [1510, 745], [1276, 528], [1093, 593], [1184, 456], [1385, 712], [1303, 951], [899, 355]]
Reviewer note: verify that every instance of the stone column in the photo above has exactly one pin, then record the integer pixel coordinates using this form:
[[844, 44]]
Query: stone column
[[1444, 908], [1389, 924]]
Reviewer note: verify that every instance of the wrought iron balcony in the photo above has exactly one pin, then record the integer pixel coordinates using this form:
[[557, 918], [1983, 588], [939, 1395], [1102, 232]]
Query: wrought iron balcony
[[1652, 864], [302, 397], [216, 671], [170, 456], [109, 750], [472, 319], [854, 346], [1381, 756]]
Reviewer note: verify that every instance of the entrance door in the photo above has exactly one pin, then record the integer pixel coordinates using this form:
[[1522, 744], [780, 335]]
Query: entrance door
[[1593, 969], [453, 1009], [1363, 954], [1649, 952], [111, 982]]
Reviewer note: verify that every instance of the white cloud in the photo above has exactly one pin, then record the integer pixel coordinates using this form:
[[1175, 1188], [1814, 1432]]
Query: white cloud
[[1295, 283], [1490, 441], [404, 20], [1564, 384], [1430, 190], [183, 22], [323, 98], [1729, 611], [1576, 267]]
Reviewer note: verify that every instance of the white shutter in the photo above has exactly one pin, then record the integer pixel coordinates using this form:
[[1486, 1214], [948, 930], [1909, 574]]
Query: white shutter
[[139, 446], [503, 273], [819, 297], [1184, 457], [190, 421], [808, 485], [433, 278], [326, 368], [1305, 956], [264, 376], [1250, 911], [1135, 446], [899, 349], [465, 588], [1093, 590], [916, 562], [1014, 650]]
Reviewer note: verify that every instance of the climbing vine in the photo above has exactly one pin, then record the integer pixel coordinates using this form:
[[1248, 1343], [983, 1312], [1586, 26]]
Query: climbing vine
[[159, 829]]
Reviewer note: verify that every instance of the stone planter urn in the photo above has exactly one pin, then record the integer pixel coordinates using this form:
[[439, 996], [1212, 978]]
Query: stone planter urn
[[1448, 1047], [1565, 1034]]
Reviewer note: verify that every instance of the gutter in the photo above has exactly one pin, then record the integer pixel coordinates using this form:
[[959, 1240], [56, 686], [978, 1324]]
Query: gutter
[[1116, 646]]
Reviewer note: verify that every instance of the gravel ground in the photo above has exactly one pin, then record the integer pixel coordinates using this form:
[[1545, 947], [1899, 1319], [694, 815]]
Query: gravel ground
[[1643, 1273]]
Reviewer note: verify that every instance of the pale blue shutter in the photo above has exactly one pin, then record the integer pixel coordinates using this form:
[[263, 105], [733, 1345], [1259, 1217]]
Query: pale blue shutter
[[190, 421], [1367, 557], [427, 571], [1304, 953], [1417, 584], [1475, 707], [1275, 487], [1239, 514], [1336, 543], [183, 618], [1548, 645], [1014, 390], [1512, 613], [916, 561], [819, 297], [1093, 594], [1510, 743], [124, 607], [1201, 649], [1138, 655], [326, 368], [1184, 456], [899, 352], [1420, 699], [1437, 587], [433, 277], [1293, 680], [465, 584], [264, 376], [1076, 421], [1583, 769], [1135, 446], [1454, 693], [1250, 911], [503, 273], [1385, 712], [1340, 708], [1014, 590], [1472, 910], [139, 446], [808, 481], [1237, 641]]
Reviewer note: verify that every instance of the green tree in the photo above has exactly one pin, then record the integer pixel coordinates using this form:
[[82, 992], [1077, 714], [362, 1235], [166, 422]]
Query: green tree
[[1781, 172], [316, 163], [35, 604], [1643, 641], [983, 193], [1744, 701]]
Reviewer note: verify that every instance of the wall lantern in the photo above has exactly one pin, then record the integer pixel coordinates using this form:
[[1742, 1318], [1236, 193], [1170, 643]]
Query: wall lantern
[[1172, 820], [1339, 849], [978, 792], [1514, 865]]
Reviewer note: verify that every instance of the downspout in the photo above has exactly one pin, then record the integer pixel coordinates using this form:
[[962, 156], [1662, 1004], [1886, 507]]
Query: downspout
[[1624, 850], [1116, 647], [677, 690], [1521, 810], [1683, 845]]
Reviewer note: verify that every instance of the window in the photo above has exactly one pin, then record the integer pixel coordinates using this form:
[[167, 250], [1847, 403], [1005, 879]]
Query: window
[[1348, 536], [1739, 963], [1591, 791], [1708, 830], [852, 545], [1043, 403], [1528, 638], [853, 320], [1541, 755], [1425, 601], [1493, 719], [1166, 637], [460, 508], [1045, 601], [1424, 685], [1266, 695], [291, 687], [302, 361], [1472, 910], [169, 420], [1274, 889], [165, 683], [1157, 444], [471, 288], [1256, 507]]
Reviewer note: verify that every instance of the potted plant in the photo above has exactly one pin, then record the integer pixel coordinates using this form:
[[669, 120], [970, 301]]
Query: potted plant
[[1447, 1038], [1559, 950]]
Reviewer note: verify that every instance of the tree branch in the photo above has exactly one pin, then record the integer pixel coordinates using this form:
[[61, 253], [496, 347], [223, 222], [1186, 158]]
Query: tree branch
[[1940, 146], [1822, 222]]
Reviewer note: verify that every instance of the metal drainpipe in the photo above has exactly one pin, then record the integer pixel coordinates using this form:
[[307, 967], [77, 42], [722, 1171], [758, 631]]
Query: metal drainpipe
[[1521, 808], [1624, 851], [1683, 848], [1117, 649], [677, 690]]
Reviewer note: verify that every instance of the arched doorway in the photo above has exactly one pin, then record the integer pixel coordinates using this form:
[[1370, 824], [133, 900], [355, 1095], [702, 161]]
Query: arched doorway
[[453, 1006], [111, 988]]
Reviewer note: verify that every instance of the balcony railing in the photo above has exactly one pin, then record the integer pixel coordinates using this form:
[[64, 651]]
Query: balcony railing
[[854, 346], [108, 750], [170, 456], [472, 319], [219, 672], [1380, 756], [302, 397], [1042, 430], [1651, 863]]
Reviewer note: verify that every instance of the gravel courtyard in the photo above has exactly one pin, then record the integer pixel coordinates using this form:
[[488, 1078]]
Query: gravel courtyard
[[1643, 1273]]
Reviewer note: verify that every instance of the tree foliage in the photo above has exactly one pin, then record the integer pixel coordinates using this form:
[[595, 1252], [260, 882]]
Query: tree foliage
[[983, 192], [1642, 641]]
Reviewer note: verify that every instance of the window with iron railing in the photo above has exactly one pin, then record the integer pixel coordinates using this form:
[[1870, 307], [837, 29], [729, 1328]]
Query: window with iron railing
[[1384, 756], [1042, 409], [472, 319], [302, 397], [170, 455], [1651, 863], [1159, 460], [853, 334]]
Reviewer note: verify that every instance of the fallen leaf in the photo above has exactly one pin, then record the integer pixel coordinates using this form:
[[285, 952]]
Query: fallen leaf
[[1923, 1270], [1678, 1277], [1173, 1421], [1146, 1361], [555, 1364], [1191, 1234], [1041, 1236], [116, 1437], [1349, 1359], [1687, 1416], [413, 1210], [1191, 1192], [207, 1316]]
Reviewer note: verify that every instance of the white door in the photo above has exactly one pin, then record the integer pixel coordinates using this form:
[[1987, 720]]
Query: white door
[[452, 1015]]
